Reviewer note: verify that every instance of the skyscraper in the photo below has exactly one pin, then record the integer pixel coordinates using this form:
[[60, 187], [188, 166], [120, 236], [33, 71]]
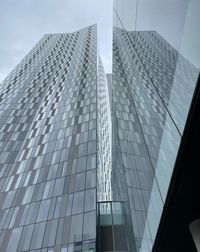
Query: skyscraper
[[147, 123], [88, 160], [49, 146], [104, 155], [152, 89]]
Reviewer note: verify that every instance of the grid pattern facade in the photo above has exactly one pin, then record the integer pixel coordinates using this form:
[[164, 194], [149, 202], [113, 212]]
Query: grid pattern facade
[[104, 171], [48, 144], [147, 127], [173, 76], [72, 137]]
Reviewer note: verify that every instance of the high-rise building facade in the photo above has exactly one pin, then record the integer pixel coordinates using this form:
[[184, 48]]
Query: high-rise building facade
[[49, 146], [104, 157], [152, 89], [87, 159], [146, 132]]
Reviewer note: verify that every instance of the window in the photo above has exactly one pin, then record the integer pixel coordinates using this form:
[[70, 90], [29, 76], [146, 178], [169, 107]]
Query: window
[[78, 202], [91, 162], [32, 213], [38, 234], [14, 239], [58, 188], [81, 164], [26, 238], [9, 199], [90, 200], [43, 210], [50, 233], [48, 190], [89, 228], [69, 204], [80, 181], [91, 179], [76, 228]]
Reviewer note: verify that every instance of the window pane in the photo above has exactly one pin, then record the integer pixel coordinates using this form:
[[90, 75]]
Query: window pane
[[76, 228], [80, 181], [28, 194], [78, 202], [32, 213], [43, 211], [57, 209], [69, 204], [89, 228], [26, 238], [58, 188], [38, 236], [50, 234], [48, 189], [81, 164], [9, 199], [91, 162], [92, 147], [90, 200], [14, 240], [91, 179]]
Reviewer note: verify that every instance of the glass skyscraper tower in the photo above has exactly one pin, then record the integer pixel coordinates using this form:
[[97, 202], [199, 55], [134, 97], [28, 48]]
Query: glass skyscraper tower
[[152, 89], [49, 146], [88, 159], [149, 112]]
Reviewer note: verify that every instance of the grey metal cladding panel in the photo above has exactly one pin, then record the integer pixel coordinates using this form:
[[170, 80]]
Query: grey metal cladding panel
[[49, 120]]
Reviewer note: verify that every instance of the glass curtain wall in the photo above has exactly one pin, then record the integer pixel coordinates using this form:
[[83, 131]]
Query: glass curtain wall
[[156, 60]]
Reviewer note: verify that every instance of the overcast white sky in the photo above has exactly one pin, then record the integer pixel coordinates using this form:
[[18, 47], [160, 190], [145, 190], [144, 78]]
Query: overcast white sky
[[24, 22]]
